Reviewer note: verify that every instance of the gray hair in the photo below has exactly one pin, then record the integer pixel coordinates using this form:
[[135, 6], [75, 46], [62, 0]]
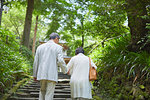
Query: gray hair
[[54, 35]]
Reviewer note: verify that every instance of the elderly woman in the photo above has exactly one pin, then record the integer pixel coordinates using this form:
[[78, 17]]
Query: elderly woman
[[79, 67]]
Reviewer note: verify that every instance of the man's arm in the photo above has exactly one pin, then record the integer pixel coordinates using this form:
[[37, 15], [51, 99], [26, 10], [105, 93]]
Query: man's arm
[[60, 60], [70, 66]]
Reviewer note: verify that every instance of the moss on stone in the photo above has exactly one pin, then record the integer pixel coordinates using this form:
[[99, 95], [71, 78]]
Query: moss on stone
[[13, 90]]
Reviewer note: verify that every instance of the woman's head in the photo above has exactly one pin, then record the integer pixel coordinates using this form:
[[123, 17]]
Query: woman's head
[[79, 50]]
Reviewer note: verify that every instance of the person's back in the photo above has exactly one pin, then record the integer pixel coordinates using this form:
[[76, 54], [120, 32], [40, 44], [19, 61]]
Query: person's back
[[45, 68], [79, 67], [48, 61]]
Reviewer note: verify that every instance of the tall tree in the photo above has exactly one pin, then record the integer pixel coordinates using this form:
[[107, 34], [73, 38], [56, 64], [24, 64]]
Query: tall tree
[[2, 4], [1, 9], [28, 21], [82, 32], [136, 23], [34, 38], [112, 15]]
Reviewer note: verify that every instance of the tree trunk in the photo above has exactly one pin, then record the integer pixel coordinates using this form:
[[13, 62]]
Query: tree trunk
[[1, 9], [82, 32], [135, 10], [82, 40], [28, 21], [34, 38]]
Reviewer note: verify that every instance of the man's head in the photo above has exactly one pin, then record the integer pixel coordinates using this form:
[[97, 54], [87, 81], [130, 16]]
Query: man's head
[[55, 37], [79, 50]]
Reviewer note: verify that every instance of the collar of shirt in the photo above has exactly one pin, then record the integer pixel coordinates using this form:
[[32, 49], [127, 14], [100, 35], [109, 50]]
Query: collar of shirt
[[80, 54], [50, 41]]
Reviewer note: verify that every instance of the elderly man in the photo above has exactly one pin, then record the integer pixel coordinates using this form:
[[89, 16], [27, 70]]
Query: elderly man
[[47, 59]]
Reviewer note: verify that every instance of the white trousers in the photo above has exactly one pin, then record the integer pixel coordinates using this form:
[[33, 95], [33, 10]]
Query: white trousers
[[47, 90]]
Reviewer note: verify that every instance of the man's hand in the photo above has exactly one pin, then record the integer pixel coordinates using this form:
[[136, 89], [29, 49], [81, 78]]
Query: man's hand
[[68, 72], [35, 79]]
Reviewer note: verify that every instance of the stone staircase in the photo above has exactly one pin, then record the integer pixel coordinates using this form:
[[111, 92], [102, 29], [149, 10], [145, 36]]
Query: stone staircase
[[30, 91]]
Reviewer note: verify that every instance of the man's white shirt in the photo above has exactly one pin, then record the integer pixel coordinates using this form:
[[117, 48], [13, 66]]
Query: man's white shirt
[[47, 59]]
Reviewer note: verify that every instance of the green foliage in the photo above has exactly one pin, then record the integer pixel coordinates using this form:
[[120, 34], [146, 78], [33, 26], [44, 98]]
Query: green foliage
[[72, 47], [109, 19], [117, 66], [27, 54], [13, 20], [58, 9], [127, 62], [96, 20], [12, 63]]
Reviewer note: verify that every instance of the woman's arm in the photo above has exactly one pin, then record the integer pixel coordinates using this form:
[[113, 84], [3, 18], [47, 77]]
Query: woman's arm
[[70, 66], [93, 65]]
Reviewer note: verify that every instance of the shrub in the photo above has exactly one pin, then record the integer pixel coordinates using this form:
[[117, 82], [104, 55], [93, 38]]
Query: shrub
[[117, 66], [12, 62]]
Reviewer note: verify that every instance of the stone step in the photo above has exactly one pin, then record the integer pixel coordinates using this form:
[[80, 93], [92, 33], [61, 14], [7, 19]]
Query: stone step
[[65, 89], [31, 98], [22, 94], [62, 91], [62, 99], [33, 88], [66, 81], [56, 91], [30, 91], [61, 87], [63, 80], [23, 90], [36, 85], [56, 95], [34, 94], [63, 84], [16, 98], [23, 98], [29, 88]]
